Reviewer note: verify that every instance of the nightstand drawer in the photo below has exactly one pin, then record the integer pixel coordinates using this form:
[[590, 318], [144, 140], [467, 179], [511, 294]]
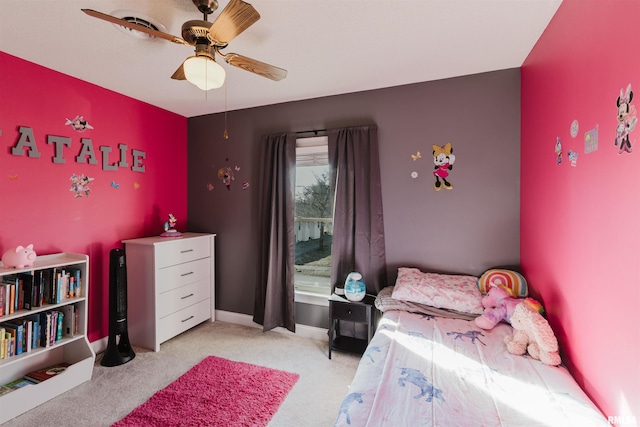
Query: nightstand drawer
[[182, 250], [350, 312]]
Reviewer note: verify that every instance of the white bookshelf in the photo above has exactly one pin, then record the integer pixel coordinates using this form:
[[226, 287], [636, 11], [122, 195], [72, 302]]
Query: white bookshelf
[[75, 350]]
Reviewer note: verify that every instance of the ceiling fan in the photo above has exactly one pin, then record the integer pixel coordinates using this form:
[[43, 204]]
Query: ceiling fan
[[208, 38]]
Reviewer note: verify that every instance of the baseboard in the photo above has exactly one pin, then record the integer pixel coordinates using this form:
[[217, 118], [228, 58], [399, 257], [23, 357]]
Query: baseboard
[[100, 345], [304, 331]]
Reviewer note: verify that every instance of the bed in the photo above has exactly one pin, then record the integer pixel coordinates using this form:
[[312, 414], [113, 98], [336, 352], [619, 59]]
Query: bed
[[435, 367]]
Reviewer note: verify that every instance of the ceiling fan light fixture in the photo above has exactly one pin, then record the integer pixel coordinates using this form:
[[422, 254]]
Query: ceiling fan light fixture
[[204, 72]]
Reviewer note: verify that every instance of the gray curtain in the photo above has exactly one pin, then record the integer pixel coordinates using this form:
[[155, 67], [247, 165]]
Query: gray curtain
[[274, 298], [358, 225]]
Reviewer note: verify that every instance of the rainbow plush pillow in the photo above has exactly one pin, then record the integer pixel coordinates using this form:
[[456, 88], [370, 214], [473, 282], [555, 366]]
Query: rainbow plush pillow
[[511, 279]]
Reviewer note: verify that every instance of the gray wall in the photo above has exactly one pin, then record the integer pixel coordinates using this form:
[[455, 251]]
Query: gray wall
[[468, 229]]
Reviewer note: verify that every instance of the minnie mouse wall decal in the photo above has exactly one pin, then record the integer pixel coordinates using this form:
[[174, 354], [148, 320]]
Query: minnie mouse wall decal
[[626, 120], [443, 158]]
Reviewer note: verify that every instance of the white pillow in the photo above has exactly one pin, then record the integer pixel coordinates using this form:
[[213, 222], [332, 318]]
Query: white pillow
[[452, 292]]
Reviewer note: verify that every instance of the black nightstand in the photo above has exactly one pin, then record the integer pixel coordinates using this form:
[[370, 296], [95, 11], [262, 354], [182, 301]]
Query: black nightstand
[[356, 312]]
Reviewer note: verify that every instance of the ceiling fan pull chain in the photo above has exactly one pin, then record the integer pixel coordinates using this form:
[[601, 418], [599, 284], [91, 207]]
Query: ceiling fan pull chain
[[225, 134]]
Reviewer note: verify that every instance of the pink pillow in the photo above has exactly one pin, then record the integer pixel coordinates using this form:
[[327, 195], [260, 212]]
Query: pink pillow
[[452, 292]]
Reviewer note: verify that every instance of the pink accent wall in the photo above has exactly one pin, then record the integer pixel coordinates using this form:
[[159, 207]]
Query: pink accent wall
[[36, 204], [580, 226]]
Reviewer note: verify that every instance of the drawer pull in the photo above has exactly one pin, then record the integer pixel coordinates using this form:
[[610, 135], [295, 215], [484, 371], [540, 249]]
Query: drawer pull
[[186, 274], [348, 311], [186, 251], [186, 296], [188, 318]]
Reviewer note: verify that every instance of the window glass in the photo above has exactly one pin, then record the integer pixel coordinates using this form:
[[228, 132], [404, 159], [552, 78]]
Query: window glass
[[313, 217]]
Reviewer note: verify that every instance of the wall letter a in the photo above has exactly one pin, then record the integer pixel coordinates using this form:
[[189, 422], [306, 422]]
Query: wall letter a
[[26, 140]]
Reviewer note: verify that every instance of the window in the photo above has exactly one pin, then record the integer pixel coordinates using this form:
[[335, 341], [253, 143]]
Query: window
[[313, 217]]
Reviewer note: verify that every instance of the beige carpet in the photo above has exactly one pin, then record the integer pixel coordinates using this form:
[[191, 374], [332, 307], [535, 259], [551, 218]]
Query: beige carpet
[[114, 392]]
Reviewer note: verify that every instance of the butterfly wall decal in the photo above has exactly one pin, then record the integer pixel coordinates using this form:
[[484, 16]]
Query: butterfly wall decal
[[416, 156], [114, 185]]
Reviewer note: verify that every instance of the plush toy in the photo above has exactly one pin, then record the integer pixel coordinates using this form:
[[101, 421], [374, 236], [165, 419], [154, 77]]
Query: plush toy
[[533, 334], [19, 257], [499, 305]]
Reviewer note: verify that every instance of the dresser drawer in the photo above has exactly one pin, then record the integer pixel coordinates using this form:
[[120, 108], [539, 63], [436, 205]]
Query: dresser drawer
[[176, 323], [179, 251], [176, 276], [182, 297], [350, 312]]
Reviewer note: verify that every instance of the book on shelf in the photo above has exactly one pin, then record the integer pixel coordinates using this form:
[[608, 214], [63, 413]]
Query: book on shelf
[[4, 390], [11, 343], [27, 340], [45, 373], [69, 320], [77, 283], [8, 343], [45, 329], [20, 294], [3, 340], [17, 332], [15, 293], [28, 290], [37, 288], [56, 286], [11, 297], [59, 325], [24, 335], [35, 328], [3, 293], [51, 327], [22, 382], [53, 333], [47, 285]]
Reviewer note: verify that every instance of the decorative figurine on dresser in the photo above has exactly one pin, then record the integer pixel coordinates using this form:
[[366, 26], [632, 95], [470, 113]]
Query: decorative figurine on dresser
[[170, 228], [171, 286]]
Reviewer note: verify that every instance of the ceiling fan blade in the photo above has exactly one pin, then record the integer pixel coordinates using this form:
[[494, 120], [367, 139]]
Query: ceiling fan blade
[[234, 19], [135, 27], [179, 73], [254, 66]]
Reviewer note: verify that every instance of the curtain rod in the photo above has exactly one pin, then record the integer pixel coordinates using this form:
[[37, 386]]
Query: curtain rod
[[311, 131]]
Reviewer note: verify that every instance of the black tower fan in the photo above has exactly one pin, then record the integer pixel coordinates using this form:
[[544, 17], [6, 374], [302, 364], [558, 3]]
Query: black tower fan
[[119, 351]]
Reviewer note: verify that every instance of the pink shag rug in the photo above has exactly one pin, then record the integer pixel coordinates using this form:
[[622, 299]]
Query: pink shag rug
[[216, 392]]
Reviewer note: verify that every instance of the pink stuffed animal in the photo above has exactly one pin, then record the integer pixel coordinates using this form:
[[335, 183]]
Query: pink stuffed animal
[[499, 305], [533, 334], [19, 257]]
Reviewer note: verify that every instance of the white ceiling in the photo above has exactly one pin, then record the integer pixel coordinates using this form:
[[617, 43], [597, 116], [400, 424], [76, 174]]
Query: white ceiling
[[329, 47]]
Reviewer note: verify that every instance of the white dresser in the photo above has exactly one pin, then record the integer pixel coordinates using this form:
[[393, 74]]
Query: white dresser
[[170, 286]]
